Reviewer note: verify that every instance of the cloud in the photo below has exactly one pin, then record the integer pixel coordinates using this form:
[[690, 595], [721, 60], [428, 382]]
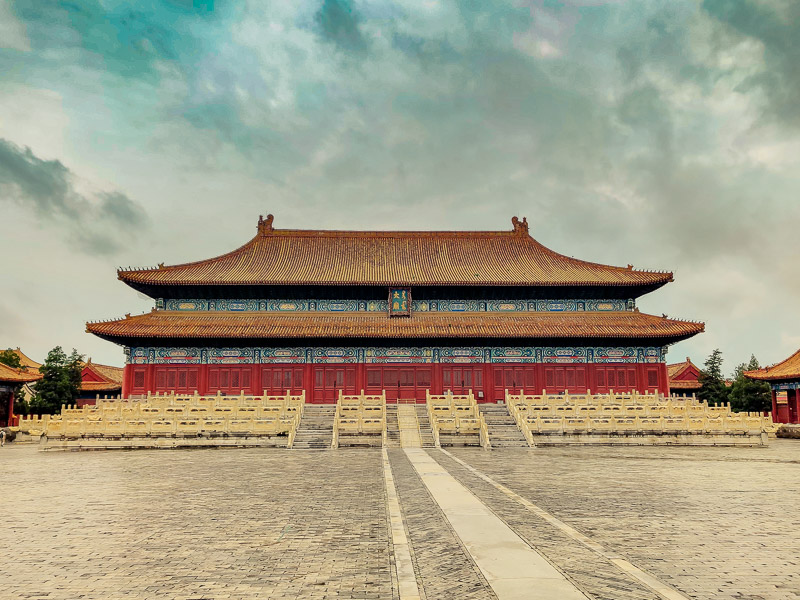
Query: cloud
[[97, 222], [12, 31], [659, 133], [338, 22], [773, 24]]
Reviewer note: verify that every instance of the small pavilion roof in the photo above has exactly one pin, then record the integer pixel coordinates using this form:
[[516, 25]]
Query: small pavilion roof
[[289, 257], [788, 369], [26, 361], [101, 377], [297, 326], [684, 375], [11, 375]]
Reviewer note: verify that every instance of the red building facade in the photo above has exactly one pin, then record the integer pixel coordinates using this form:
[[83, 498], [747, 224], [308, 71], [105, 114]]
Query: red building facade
[[10, 380], [684, 378], [405, 312], [784, 379]]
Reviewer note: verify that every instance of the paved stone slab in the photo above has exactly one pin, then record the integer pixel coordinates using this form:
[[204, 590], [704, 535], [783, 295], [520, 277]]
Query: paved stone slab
[[404, 568], [597, 576], [195, 524], [511, 566], [444, 569], [714, 523]]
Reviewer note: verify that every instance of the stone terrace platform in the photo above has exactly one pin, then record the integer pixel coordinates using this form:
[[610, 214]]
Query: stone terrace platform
[[584, 522]]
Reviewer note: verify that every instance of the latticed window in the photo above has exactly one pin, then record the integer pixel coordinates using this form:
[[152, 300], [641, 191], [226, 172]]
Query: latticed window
[[549, 380], [424, 377], [652, 378], [601, 378], [373, 377], [138, 379], [529, 379]]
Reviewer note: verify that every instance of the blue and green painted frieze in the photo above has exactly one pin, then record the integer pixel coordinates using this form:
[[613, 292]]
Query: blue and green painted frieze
[[383, 305], [409, 355]]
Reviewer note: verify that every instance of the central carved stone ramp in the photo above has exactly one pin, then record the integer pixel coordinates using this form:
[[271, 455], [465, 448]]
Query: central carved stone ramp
[[503, 430], [392, 427], [409, 428], [316, 427], [424, 424]]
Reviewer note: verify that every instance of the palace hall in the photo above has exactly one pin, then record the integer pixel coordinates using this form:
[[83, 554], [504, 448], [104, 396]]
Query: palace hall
[[403, 312]]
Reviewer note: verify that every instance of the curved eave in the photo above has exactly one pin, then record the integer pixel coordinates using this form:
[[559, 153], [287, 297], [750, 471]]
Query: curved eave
[[277, 257], [17, 376], [166, 325], [787, 370]]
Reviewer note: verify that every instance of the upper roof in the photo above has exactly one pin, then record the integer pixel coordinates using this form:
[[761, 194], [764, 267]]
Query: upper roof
[[788, 369], [423, 258], [298, 326], [11, 375], [684, 375]]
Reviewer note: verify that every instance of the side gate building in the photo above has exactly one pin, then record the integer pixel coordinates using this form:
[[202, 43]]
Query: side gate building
[[324, 311]]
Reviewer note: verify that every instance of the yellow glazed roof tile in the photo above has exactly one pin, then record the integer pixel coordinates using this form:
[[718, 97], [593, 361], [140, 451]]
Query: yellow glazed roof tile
[[187, 325], [445, 258]]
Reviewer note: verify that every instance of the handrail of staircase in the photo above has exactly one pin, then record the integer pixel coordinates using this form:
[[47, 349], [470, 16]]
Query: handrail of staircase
[[519, 419], [432, 418]]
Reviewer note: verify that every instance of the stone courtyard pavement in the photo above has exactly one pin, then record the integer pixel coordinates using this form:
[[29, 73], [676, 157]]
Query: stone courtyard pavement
[[606, 523]]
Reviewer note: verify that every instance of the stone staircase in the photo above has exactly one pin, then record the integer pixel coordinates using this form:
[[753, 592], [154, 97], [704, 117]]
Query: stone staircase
[[409, 428], [503, 430], [316, 427], [424, 422], [392, 427]]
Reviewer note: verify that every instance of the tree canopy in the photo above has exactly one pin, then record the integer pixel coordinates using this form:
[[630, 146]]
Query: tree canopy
[[713, 390], [747, 394], [60, 383], [10, 359]]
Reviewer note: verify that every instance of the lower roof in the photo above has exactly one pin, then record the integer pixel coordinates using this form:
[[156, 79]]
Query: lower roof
[[165, 325], [11, 375]]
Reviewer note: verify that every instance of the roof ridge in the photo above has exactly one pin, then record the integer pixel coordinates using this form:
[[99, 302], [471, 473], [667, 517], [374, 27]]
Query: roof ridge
[[520, 260]]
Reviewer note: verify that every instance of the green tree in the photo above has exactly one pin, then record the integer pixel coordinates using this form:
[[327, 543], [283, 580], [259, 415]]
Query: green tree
[[713, 390], [11, 359], [748, 395], [60, 382]]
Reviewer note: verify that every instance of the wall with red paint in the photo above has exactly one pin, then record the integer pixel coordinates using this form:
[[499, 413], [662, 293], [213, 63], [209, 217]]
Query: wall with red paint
[[322, 382]]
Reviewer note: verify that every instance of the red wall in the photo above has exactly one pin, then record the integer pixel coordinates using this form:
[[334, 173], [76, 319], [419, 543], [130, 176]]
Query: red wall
[[322, 382]]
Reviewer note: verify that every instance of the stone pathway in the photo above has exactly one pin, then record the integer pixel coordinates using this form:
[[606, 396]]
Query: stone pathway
[[605, 523], [513, 569]]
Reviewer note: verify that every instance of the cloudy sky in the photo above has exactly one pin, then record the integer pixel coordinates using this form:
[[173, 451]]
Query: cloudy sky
[[662, 134]]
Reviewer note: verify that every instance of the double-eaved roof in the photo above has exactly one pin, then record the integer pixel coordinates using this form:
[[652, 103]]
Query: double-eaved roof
[[294, 257], [789, 369], [291, 258]]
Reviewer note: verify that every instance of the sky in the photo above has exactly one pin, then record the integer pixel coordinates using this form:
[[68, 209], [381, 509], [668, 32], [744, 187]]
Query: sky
[[661, 134]]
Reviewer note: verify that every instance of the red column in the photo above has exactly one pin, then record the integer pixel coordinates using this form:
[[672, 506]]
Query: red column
[[782, 412], [126, 380], [774, 407]]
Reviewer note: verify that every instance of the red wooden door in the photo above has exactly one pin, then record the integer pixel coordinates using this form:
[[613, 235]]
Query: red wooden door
[[277, 379], [463, 378], [329, 380]]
